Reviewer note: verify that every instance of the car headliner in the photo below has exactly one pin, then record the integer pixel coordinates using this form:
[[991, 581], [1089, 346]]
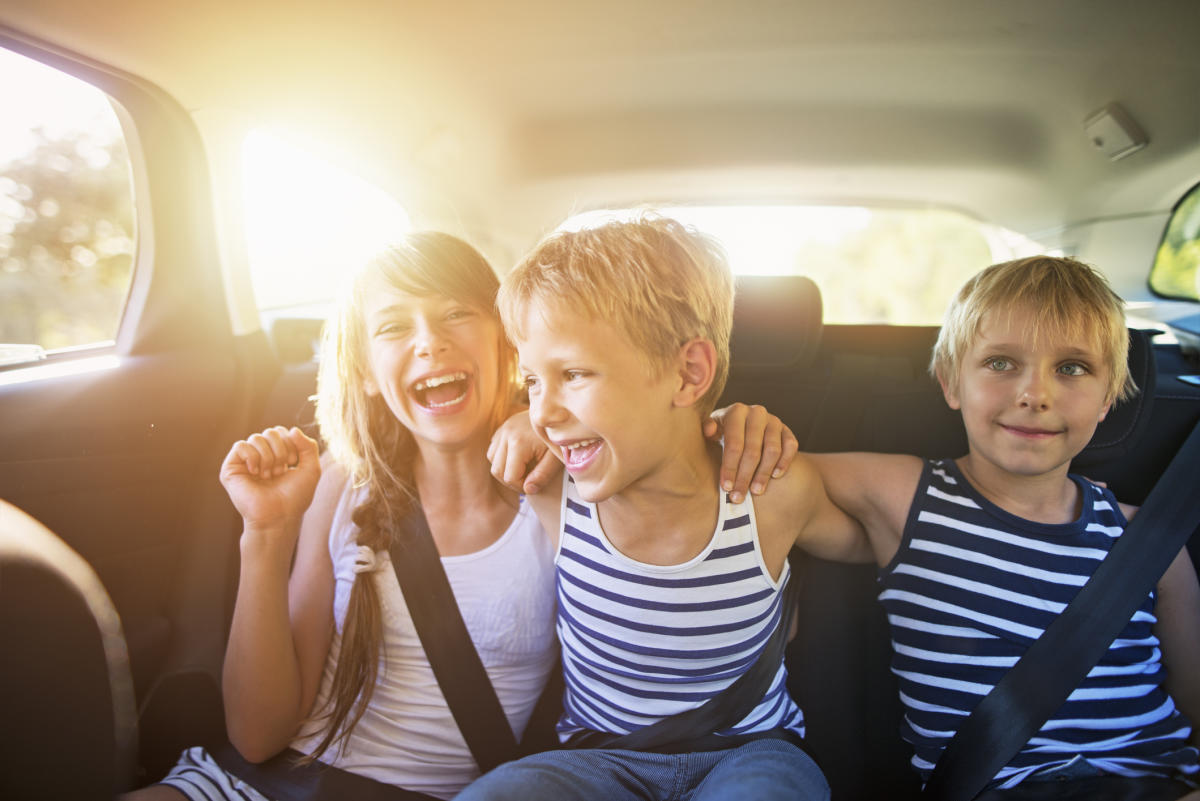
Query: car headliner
[[507, 116]]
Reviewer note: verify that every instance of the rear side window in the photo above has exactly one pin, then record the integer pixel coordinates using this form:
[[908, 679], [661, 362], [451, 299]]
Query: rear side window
[[66, 213], [873, 265], [1176, 270]]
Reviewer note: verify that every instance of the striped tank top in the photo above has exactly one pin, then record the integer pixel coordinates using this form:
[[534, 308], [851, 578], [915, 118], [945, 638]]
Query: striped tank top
[[970, 589], [641, 642]]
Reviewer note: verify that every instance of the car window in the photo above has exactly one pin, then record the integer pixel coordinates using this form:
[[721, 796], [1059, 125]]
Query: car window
[[873, 265], [1176, 270], [66, 213]]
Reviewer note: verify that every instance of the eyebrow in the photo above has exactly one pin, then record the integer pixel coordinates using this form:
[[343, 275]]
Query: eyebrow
[[1068, 352]]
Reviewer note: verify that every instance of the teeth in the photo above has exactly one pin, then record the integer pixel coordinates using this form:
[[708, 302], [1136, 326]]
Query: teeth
[[587, 443], [437, 381], [447, 403]]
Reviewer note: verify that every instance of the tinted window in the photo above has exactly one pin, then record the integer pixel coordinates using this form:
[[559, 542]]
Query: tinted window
[[873, 265], [66, 212]]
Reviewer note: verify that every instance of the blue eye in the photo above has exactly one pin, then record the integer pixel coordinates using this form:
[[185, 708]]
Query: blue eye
[[1073, 369], [998, 364]]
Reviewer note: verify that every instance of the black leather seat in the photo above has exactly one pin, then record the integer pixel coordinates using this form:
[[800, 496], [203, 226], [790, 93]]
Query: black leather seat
[[66, 697]]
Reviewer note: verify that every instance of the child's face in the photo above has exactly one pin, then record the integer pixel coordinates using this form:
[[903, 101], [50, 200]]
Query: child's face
[[1028, 406], [594, 399], [434, 361]]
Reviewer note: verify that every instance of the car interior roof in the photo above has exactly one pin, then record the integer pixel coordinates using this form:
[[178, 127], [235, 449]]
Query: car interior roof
[[504, 118]]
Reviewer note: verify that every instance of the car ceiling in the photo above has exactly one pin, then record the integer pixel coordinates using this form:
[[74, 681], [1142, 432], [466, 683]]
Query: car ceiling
[[511, 115]]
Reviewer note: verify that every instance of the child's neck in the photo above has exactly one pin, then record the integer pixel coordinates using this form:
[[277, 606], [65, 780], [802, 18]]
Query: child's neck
[[466, 508], [667, 517], [1050, 497]]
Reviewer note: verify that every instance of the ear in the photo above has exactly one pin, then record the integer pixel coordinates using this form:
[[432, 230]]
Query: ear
[[697, 364], [1104, 411], [370, 386], [949, 392]]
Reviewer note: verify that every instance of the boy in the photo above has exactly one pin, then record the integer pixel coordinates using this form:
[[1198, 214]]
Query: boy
[[979, 554], [668, 590]]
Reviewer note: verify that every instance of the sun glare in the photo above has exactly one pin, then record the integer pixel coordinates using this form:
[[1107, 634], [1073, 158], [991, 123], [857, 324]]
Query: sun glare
[[308, 223], [759, 240]]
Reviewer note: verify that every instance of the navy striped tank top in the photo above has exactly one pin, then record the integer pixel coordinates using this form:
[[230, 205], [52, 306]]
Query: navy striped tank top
[[641, 642], [968, 591]]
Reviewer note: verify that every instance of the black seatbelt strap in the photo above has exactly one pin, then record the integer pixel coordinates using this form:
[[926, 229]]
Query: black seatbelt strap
[[721, 711], [1038, 685], [447, 643]]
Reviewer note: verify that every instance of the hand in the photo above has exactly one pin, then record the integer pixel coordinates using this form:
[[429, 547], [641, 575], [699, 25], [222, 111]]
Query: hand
[[514, 447], [758, 447], [271, 477]]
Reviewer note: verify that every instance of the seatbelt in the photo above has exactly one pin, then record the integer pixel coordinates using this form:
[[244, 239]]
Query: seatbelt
[[725, 709], [447, 643], [1038, 685]]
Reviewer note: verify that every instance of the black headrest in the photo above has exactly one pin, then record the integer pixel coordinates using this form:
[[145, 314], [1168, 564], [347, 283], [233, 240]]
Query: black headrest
[[776, 322], [1120, 430]]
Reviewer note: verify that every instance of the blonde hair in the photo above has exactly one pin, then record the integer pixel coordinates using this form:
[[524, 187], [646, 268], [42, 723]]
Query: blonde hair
[[364, 437], [659, 281], [1068, 299]]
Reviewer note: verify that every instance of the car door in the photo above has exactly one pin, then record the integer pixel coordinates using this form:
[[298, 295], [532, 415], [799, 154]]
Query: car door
[[115, 445]]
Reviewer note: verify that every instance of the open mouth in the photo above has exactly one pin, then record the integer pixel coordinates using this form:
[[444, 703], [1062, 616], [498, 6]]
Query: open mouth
[[579, 454], [442, 391]]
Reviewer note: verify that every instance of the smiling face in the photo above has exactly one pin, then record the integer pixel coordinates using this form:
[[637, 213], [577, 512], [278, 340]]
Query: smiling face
[[597, 402], [435, 362], [1029, 404]]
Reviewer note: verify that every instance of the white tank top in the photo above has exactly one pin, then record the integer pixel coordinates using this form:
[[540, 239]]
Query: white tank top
[[505, 592]]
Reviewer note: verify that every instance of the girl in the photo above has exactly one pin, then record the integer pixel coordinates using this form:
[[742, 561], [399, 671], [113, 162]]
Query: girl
[[415, 376]]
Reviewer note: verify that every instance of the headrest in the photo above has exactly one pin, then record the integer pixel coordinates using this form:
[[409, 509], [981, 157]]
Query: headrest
[[776, 322], [1122, 427]]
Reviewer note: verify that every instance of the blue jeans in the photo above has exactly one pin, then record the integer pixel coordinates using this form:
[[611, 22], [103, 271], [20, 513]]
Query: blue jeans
[[761, 769]]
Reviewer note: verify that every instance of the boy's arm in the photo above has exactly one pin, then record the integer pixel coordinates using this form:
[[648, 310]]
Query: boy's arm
[[1178, 631], [874, 488], [827, 531]]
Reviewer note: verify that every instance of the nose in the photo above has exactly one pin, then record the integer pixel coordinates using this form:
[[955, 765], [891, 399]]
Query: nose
[[1036, 391], [429, 340], [545, 407]]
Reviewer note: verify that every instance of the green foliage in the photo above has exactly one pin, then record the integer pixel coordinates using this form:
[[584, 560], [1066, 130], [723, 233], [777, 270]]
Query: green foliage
[[66, 240], [901, 268], [1176, 270]]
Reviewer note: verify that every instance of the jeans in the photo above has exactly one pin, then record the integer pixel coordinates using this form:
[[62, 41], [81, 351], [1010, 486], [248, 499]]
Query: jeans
[[763, 770]]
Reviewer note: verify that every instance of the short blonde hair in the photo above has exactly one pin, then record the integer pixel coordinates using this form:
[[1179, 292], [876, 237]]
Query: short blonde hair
[[661, 282], [1068, 299]]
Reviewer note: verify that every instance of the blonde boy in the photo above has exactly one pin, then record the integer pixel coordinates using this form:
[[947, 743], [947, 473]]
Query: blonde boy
[[979, 554], [668, 591]]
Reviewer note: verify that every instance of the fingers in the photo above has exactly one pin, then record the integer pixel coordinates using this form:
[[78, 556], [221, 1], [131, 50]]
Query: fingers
[[270, 453], [547, 468], [752, 449], [497, 454], [757, 448]]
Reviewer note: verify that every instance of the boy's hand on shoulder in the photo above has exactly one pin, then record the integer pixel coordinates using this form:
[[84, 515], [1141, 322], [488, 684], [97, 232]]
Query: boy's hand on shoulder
[[757, 447], [519, 458]]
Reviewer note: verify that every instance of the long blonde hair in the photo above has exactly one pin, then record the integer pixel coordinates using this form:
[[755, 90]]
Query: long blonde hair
[[365, 438]]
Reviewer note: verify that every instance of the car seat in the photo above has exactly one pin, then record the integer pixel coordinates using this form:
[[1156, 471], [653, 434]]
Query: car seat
[[70, 723]]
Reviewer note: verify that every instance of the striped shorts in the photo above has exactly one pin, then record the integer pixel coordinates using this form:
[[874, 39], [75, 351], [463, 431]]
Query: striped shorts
[[200, 778]]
